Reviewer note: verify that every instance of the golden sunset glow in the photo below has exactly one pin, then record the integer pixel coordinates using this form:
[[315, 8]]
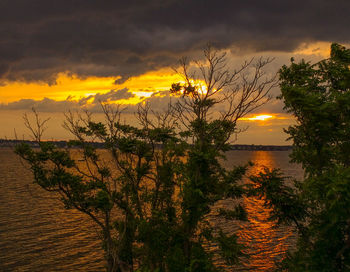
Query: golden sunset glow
[[317, 48], [260, 117], [75, 88], [159, 80], [66, 86], [198, 84]]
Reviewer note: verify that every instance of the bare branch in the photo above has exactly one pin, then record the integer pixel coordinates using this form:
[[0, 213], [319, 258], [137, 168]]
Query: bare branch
[[240, 91], [37, 129]]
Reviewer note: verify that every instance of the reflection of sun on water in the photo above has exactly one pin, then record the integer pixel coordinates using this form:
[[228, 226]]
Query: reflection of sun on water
[[264, 242]]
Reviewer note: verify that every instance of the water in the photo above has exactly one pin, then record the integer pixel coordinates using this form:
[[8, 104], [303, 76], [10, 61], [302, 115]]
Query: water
[[265, 243], [38, 234]]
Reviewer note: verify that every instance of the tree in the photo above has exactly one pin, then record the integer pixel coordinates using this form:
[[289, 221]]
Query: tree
[[152, 200], [318, 95]]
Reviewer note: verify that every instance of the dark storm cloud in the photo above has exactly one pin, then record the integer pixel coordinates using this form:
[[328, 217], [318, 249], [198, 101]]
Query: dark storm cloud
[[40, 38]]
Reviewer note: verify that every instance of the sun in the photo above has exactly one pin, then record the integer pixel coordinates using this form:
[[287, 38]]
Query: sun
[[260, 117]]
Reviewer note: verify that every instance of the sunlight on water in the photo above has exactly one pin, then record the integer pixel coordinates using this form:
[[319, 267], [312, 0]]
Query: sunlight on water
[[264, 242]]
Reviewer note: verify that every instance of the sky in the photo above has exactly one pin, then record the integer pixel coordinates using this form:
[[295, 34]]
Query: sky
[[68, 55]]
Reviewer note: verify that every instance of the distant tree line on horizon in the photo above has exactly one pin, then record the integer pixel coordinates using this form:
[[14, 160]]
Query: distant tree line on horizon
[[65, 144]]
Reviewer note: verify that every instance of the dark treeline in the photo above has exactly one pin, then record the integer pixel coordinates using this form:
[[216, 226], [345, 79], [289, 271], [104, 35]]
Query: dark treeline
[[64, 144]]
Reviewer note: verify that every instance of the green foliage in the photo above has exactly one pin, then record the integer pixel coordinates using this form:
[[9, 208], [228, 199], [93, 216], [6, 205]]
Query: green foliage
[[162, 197], [239, 213], [229, 247], [318, 95], [285, 200]]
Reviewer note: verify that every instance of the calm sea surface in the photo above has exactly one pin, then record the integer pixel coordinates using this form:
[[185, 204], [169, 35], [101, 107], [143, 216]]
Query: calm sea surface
[[38, 234]]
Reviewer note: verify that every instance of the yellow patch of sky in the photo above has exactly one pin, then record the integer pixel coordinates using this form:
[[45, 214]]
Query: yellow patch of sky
[[318, 48], [75, 88], [66, 86]]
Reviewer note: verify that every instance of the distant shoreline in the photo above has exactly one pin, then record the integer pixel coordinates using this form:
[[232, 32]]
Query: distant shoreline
[[64, 144]]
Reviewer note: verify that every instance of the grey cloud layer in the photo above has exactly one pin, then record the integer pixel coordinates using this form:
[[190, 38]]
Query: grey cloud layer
[[41, 38]]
